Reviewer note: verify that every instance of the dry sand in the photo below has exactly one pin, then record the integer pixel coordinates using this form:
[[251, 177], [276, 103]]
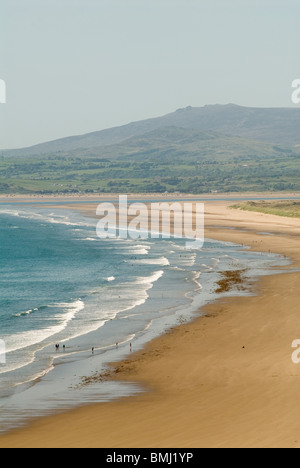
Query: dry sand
[[225, 380]]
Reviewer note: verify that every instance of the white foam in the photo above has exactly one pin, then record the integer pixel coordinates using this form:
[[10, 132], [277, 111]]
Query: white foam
[[51, 218], [118, 299], [135, 249], [188, 260], [163, 261], [196, 278], [110, 279], [26, 339], [150, 279], [216, 262], [22, 314], [142, 295], [137, 252]]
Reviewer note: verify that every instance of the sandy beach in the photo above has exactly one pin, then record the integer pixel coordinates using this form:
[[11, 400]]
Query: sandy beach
[[225, 380]]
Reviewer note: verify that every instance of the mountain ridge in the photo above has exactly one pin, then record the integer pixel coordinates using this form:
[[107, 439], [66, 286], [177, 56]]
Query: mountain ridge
[[173, 143], [279, 126]]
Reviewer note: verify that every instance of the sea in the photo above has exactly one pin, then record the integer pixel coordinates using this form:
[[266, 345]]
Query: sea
[[70, 303]]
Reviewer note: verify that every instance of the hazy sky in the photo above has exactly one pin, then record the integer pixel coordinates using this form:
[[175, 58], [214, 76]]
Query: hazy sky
[[76, 66]]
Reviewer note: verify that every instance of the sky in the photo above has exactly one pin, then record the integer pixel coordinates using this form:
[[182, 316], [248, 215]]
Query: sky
[[78, 66]]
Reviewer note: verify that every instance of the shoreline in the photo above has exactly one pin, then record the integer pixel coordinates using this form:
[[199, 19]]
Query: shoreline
[[171, 351], [148, 196]]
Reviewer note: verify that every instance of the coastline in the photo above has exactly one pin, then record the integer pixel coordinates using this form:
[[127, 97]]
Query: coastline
[[15, 198], [215, 393]]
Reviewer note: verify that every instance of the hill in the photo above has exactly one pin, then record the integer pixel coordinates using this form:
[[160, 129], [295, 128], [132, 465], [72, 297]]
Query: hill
[[173, 144], [194, 150], [276, 126]]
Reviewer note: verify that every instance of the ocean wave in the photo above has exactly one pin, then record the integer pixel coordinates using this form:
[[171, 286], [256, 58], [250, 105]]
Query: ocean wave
[[216, 262], [24, 314], [163, 261], [135, 249], [120, 298], [189, 260], [10, 212], [136, 252], [110, 279], [150, 279], [142, 285], [197, 275], [26, 339], [50, 218]]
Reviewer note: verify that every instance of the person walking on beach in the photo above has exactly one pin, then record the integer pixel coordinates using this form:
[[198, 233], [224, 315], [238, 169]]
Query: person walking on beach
[[130, 347], [93, 350]]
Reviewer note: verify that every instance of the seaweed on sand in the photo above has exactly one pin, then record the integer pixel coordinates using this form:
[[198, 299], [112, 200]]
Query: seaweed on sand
[[230, 280]]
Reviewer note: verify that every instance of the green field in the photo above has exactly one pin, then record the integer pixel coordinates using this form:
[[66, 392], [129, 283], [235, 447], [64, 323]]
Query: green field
[[68, 175], [165, 160], [65, 174]]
